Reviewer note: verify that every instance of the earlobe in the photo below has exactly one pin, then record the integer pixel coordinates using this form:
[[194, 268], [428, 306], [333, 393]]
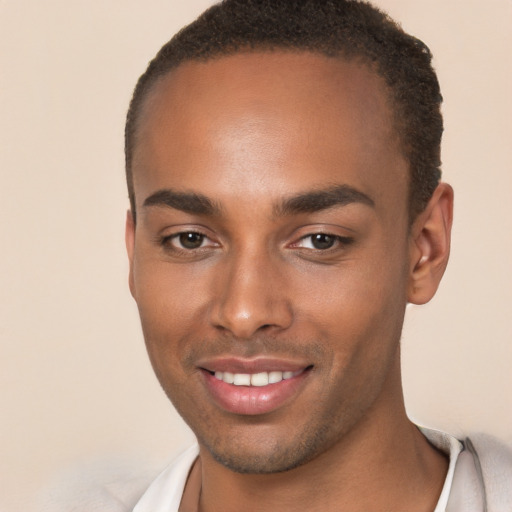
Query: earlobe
[[430, 245], [130, 247]]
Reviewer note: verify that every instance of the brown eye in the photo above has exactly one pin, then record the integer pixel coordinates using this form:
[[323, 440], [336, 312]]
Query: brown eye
[[188, 245], [190, 240], [322, 241]]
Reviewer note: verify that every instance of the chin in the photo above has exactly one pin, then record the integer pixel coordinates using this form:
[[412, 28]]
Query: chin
[[258, 464], [270, 457]]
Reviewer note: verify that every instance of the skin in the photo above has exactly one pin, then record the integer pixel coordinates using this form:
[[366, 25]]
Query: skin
[[249, 132]]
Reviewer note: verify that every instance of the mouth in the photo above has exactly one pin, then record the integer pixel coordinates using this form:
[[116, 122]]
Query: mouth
[[250, 389]]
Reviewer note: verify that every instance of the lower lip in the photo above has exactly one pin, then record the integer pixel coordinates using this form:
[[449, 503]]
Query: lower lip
[[253, 400]]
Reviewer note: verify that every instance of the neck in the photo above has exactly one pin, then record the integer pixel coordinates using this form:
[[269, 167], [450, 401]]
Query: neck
[[384, 462]]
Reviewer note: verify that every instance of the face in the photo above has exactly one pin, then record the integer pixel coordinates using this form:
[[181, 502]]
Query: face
[[269, 260]]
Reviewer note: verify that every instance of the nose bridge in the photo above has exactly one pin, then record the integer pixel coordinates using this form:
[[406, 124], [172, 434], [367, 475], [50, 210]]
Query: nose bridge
[[249, 293]]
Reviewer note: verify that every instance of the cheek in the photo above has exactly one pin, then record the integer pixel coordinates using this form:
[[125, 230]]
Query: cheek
[[171, 304], [360, 307], [355, 293], [362, 326], [168, 295]]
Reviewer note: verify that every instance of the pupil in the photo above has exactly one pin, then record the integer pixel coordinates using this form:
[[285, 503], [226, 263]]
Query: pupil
[[322, 241], [191, 240]]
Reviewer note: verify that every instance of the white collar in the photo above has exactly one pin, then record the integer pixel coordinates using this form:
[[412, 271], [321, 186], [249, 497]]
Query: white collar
[[450, 446], [164, 494]]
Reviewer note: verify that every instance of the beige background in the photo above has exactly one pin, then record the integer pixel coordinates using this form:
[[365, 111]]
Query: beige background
[[75, 384]]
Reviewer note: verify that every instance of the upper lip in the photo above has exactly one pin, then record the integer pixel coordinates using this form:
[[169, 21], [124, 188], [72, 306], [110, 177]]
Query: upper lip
[[253, 365]]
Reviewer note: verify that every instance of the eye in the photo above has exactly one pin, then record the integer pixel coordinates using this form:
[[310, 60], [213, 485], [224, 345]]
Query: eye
[[187, 241], [190, 240], [319, 241]]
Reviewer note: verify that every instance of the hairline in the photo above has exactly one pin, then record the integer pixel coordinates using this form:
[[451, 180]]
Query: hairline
[[341, 54]]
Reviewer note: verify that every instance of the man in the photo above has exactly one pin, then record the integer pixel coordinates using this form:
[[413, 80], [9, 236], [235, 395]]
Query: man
[[282, 161]]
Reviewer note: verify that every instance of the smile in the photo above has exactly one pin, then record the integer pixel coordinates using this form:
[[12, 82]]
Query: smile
[[256, 387], [260, 379]]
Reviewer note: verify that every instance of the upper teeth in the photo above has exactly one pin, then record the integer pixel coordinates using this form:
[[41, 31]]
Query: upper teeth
[[254, 379]]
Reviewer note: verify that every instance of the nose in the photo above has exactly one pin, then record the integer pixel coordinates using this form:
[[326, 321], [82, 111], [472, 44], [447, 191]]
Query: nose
[[250, 296]]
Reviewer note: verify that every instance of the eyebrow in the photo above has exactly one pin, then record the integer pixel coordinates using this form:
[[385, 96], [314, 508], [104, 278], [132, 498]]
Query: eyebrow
[[307, 202], [188, 202], [318, 200]]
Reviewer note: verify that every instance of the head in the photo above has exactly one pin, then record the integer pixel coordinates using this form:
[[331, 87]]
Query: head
[[282, 225]]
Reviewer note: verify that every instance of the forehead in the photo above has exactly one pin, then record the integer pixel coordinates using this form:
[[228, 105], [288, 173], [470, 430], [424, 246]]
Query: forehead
[[280, 120]]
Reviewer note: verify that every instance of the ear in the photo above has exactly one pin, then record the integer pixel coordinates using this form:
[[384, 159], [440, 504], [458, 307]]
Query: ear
[[429, 246], [129, 238]]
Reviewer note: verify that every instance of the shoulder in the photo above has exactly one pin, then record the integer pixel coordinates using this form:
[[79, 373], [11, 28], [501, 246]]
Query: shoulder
[[495, 458], [107, 485]]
